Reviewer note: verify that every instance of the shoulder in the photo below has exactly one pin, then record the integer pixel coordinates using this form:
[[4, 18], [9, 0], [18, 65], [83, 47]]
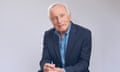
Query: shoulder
[[80, 29], [49, 32]]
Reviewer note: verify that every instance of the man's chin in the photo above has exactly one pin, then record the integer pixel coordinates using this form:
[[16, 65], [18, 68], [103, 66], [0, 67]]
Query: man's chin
[[62, 31]]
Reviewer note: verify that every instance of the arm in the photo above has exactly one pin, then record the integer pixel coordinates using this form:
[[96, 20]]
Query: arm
[[46, 58], [83, 63]]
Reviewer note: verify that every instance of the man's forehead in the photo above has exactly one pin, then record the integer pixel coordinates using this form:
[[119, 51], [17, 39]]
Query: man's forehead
[[58, 11]]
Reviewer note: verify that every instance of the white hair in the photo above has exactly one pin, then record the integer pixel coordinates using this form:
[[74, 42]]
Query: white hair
[[57, 4]]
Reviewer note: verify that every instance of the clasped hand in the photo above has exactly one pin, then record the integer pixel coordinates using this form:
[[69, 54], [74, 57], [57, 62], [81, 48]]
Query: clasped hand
[[51, 68]]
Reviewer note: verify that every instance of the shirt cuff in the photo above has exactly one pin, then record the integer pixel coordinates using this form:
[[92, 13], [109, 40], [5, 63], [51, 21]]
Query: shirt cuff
[[64, 70]]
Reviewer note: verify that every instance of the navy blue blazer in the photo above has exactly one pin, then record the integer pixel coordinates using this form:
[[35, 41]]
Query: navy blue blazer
[[78, 51]]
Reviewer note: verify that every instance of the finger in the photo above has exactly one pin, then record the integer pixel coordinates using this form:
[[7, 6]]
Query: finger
[[45, 68], [50, 65], [59, 70]]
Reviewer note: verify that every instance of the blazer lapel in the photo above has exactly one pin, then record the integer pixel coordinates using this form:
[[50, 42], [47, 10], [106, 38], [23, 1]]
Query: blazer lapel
[[56, 46], [71, 41]]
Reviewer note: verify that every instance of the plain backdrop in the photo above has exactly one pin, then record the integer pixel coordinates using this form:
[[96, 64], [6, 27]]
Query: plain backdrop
[[23, 23]]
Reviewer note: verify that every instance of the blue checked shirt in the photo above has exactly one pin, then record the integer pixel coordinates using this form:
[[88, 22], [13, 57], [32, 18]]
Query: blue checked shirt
[[63, 45]]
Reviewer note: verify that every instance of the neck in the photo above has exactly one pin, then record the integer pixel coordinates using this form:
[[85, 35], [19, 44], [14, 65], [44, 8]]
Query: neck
[[62, 33]]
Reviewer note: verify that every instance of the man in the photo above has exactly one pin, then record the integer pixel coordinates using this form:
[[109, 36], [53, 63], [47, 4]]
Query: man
[[67, 46]]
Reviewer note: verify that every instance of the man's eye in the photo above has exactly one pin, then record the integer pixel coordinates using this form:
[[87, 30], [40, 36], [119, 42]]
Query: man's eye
[[53, 18]]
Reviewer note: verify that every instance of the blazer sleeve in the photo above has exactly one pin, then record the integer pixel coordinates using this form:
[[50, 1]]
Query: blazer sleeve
[[83, 63], [46, 58]]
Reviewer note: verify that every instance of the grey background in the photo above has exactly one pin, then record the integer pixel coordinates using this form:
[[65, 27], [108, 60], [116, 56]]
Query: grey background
[[23, 22]]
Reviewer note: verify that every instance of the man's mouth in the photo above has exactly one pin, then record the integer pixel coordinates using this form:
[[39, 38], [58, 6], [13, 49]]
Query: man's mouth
[[61, 24]]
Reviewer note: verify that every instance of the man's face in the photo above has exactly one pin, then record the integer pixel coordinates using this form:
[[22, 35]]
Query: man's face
[[60, 18]]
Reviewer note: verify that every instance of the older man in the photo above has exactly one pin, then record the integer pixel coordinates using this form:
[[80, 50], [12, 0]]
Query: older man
[[67, 46]]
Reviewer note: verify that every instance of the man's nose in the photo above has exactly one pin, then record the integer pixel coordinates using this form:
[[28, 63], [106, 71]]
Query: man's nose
[[58, 19]]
